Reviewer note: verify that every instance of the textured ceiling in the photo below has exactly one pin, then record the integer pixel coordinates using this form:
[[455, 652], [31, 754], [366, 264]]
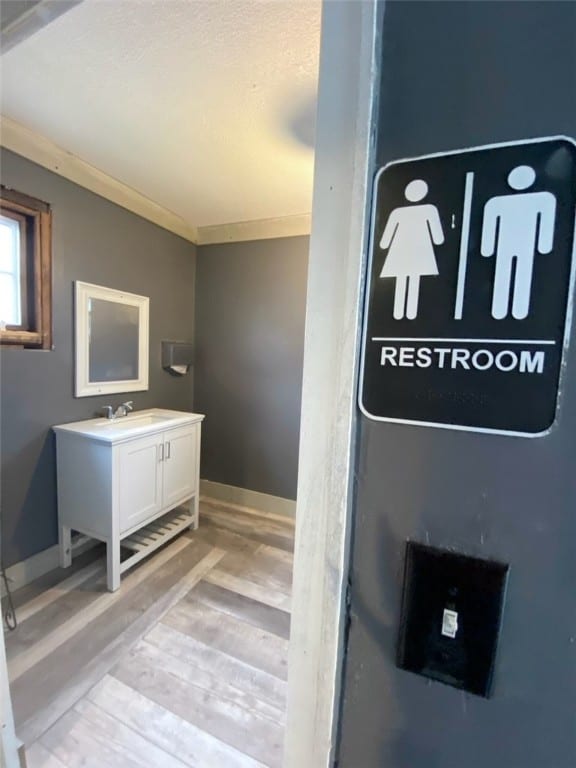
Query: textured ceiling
[[203, 106]]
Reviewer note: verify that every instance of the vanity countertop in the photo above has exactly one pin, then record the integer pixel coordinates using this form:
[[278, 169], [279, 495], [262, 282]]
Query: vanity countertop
[[137, 424]]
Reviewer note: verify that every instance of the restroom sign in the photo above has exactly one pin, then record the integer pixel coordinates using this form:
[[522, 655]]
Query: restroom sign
[[469, 288]]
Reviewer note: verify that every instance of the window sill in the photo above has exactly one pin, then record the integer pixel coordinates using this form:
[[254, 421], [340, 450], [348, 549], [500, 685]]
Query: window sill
[[22, 338]]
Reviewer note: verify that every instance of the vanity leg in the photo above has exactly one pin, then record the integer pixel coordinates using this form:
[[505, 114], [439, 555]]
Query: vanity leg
[[194, 512], [65, 541], [113, 564]]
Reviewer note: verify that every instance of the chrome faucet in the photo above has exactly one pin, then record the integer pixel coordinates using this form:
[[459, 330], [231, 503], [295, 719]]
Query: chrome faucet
[[122, 410]]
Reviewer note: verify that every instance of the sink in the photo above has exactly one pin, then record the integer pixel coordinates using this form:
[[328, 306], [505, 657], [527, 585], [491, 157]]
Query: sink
[[136, 424], [129, 422]]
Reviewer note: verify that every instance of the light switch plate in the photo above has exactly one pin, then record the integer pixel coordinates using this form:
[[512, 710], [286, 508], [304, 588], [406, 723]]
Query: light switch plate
[[451, 617]]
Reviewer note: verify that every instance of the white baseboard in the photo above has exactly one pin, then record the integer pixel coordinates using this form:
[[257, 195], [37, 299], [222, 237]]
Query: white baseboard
[[26, 571], [244, 497]]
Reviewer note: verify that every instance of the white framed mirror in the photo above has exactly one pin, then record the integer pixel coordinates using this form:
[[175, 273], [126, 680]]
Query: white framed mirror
[[112, 339]]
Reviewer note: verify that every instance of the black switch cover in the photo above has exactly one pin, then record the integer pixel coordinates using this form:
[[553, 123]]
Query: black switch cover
[[451, 617]]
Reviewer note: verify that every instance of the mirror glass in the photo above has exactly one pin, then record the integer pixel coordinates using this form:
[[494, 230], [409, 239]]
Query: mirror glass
[[111, 341], [113, 352]]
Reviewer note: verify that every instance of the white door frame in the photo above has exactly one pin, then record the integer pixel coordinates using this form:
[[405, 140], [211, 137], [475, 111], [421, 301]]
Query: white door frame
[[8, 742], [344, 147]]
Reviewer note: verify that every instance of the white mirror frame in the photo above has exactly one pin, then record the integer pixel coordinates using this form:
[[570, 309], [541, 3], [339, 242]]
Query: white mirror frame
[[83, 293]]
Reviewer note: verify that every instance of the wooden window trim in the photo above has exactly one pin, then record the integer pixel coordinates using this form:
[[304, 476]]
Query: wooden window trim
[[38, 214]]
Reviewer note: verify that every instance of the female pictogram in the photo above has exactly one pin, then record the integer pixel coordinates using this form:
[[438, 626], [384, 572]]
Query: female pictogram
[[410, 235]]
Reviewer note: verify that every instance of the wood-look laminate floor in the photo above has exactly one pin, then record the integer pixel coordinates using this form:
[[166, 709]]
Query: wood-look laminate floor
[[184, 666]]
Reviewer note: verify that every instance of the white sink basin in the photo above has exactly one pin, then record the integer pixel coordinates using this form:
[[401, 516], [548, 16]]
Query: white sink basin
[[136, 420], [136, 424]]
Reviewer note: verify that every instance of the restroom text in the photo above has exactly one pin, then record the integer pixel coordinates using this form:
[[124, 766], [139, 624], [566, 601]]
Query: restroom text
[[504, 360]]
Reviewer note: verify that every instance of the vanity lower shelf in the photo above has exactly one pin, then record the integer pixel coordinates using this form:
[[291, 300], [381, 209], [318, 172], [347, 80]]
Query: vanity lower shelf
[[147, 539]]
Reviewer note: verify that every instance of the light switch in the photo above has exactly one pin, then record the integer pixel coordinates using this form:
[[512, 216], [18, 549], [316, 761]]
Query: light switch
[[451, 617]]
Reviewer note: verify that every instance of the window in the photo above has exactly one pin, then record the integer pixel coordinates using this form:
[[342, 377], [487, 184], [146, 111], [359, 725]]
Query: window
[[25, 271]]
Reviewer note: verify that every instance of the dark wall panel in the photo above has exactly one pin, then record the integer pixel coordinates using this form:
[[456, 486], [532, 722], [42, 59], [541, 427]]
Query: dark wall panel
[[456, 75], [98, 242], [250, 308]]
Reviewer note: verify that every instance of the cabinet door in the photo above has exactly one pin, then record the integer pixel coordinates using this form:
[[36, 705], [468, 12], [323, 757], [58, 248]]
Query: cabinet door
[[180, 464], [140, 480]]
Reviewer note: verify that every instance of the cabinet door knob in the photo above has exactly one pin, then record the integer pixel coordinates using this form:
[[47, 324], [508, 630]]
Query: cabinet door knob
[[167, 450], [161, 457]]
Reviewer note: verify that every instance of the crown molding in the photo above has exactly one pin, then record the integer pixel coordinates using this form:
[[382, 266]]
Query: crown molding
[[261, 229], [35, 147], [21, 140]]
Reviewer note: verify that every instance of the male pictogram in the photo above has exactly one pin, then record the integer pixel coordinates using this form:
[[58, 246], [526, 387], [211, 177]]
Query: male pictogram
[[516, 227]]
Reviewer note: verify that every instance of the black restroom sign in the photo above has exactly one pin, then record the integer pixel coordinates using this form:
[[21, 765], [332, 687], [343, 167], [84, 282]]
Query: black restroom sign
[[469, 287]]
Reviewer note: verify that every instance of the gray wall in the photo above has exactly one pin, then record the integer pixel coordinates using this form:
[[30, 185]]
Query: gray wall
[[250, 307], [99, 242], [457, 75]]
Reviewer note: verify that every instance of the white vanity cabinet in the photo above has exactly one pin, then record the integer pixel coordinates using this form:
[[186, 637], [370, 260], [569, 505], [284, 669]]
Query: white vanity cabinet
[[155, 474], [124, 481]]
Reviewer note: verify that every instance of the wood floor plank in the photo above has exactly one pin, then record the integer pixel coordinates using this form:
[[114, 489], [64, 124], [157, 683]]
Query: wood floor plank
[[137, 745], [50, 688], [51, 617], [236, 510], [245, 731], [189, 650], [25, 660], [37, 756], [56, 576], [188, 672], [236, 542], [187, 669], [42, 600], [224, 539], [264, 595], [285, 520], [247, 522], [251, 559], [79, 744], [172, 733], [278, 554], [267, 533], [245, 608], [254, 646], [259, 568]]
